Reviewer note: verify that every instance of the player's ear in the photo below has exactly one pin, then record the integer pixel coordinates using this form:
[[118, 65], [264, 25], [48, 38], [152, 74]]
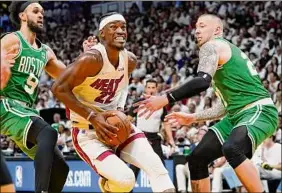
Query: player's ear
[[101, 34], [218, 30], [22, 16]]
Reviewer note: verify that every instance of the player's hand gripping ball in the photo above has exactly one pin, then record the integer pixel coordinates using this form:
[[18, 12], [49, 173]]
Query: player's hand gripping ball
[[123, 124]]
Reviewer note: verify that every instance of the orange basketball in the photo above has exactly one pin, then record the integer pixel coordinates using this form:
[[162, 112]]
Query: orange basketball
[[120, 121]]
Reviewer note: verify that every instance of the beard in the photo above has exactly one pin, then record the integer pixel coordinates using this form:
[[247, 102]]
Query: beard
[[34, 27]]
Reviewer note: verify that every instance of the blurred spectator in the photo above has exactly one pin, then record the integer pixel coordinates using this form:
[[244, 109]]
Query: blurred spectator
[[69, 146], [57, 121], [270, 155], [216, 171]]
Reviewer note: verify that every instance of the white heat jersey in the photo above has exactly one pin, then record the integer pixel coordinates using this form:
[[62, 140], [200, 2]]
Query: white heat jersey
[[103, 91]]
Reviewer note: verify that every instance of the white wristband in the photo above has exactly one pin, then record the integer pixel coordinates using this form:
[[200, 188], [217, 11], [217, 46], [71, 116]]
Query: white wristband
[[90, 115]]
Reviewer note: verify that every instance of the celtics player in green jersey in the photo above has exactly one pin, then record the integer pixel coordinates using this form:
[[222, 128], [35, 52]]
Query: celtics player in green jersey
[[248, 113], [19, 120]]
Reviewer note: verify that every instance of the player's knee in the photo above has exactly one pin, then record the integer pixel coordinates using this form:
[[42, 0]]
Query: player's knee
[[233, 154], [125, 181], [230, 149]]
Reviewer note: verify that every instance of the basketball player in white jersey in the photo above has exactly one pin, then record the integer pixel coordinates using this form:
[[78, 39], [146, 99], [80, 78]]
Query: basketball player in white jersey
[[96, 82]]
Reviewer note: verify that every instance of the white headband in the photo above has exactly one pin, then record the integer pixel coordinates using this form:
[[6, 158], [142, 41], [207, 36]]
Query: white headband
[[111, 18]]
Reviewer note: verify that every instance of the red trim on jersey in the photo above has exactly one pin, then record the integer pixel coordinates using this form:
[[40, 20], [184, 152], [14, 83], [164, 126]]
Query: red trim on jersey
[[83, 155], [103, 155], [67, 113], [128, 141]]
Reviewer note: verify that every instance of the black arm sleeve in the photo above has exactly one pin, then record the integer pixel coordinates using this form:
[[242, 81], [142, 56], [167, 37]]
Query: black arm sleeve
[[190, 88]]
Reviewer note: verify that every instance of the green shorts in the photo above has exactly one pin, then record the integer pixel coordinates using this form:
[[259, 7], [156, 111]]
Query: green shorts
[[15, 123], [260, 120]]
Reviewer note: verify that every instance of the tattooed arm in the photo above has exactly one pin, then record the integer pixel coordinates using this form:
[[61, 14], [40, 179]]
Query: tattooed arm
[[208, 62], [214, 113], [208, 58]]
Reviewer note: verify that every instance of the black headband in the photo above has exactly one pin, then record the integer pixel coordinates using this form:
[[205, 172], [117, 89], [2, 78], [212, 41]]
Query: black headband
[[25, 5]]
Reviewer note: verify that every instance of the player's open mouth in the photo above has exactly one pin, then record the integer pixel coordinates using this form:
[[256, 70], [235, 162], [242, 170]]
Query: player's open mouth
[[40, 22], [119, 39]]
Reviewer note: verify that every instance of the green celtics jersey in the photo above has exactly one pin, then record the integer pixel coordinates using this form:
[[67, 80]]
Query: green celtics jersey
[[237, 82], [25, 73]]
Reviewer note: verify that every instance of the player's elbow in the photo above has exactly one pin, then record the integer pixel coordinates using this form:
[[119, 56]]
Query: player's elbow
[[204, 80], [57, 89]]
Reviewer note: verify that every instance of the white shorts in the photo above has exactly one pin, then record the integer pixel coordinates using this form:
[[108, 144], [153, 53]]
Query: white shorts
[[89, 148]]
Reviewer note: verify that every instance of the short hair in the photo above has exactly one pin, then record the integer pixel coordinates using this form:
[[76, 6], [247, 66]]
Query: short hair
[[151, 81], [214, 17], [15, 8]]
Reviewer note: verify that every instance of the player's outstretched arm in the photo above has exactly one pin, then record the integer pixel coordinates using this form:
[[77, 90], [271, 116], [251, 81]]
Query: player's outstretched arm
[[180, 118], [214, 113], [54, 67], [88, 64], [208, 62]]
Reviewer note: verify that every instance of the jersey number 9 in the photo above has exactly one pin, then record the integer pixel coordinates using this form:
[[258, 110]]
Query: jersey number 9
[[31, 84]]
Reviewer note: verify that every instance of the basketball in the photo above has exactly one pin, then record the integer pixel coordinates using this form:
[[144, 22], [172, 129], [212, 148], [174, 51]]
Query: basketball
[[120, 121]]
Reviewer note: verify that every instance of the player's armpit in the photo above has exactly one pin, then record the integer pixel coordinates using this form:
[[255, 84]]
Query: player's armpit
[[216, 112], [132, 61], [88, 64], [208, 58]]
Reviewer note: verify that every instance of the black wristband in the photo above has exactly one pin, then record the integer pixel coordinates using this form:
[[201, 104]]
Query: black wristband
[[170, 98]]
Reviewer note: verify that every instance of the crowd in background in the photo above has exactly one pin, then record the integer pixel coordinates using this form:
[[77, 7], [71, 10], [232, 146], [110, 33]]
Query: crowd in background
[[162, 37]]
